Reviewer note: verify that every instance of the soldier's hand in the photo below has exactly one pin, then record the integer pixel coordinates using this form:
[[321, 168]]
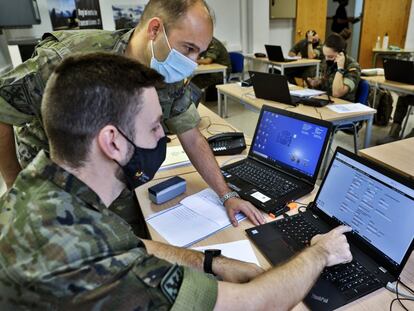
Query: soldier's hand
[[340, 60], [236, 205], [235, 271], [309, 36], [313, 82], [335, 245]]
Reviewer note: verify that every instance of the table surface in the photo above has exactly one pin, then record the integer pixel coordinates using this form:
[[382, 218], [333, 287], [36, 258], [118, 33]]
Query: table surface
[[378, 300], [246, 94], [210, 68], [381, 81], [397, 156], [302, 61]]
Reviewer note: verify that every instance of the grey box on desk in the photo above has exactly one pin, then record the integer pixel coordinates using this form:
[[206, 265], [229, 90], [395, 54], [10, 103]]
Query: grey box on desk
[[167, 190]]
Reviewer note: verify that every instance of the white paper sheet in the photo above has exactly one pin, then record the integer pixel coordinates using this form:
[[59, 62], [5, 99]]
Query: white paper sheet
[[347, 108], [240, 250], [306, 92]]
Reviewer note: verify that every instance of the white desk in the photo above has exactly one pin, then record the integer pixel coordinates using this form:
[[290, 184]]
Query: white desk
[[212, 68], [303, 62]]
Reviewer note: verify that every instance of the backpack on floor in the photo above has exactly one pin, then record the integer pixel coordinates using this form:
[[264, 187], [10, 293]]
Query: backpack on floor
[[383, 105]]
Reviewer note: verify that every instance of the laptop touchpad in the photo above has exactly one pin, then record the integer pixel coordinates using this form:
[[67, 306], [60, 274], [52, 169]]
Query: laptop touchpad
[[277, 251]]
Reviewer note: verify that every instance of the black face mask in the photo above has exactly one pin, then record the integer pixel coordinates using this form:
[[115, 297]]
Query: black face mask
[[144, 163], [331, 65]]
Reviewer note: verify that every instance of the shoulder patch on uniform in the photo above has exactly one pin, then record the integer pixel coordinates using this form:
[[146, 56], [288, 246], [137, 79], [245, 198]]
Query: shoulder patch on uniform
[[352, 69], [171, 282]]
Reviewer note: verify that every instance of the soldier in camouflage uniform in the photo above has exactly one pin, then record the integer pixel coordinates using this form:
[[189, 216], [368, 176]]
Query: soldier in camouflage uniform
[[215, 53], [340, 73], [164, 25], [61, 248]]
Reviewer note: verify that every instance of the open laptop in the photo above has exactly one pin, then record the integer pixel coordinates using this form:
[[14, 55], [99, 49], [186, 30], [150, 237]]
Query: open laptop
[[376, 202], [275, 54], [276, 88], [283, 161], [399, 70]]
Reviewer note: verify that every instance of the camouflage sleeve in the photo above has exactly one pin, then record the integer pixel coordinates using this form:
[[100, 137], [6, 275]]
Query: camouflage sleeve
[[352, 76], [296, 48], [21, 89], [212, 52], [180, 114]]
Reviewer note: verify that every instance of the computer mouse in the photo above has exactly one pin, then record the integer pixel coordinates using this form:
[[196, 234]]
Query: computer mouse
[[259, 55]]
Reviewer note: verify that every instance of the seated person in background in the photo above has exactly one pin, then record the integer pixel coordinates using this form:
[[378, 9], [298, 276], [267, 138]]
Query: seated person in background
[[61, 248], [215, 53], [400, 113], [309, 47], [340, 73]]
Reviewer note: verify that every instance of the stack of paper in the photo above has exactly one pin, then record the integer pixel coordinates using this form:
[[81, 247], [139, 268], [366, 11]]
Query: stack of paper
[[348, 108], [176, 156], [196, 217], [306, 92]]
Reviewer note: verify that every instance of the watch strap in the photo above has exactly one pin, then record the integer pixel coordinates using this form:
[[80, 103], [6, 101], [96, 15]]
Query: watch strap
[[209, 254], [229, 195]]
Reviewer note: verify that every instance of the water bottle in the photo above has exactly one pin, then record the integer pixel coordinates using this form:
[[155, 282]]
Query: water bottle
[[385, 42]]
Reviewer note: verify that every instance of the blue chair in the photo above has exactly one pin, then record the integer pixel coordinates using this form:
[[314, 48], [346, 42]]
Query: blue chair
[[237, 66], [361, 96]]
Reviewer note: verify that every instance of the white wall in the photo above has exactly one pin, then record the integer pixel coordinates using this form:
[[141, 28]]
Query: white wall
[[258, 24], [282, 33], [409, 40]]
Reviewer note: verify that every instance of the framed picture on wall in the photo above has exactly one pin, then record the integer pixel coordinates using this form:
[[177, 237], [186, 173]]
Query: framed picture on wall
[[75, 14], [127, 16]]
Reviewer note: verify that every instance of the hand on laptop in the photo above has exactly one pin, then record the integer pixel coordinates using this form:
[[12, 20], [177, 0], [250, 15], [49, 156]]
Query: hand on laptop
[[235, 271], [235, 205], [335, 245]]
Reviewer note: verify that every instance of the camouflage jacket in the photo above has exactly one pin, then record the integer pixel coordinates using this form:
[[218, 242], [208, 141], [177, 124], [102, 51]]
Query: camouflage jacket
[[61, 248], [218, 53], [21, 89], [302, 48], [351, 77]]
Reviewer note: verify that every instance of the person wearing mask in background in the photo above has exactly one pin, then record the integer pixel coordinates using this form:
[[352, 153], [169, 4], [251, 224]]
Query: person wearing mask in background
[[340, 19], [215, 53], [61, 248], [340, 73], [168, 38], [310, 48]]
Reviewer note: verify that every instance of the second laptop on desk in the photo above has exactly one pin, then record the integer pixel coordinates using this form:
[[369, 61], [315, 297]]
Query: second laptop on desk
[[283, 161], [276, 88]]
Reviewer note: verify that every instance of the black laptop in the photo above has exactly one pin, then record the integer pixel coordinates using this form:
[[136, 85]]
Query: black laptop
[[377, 203], [276, 88], [399, 70], [283, 161], [275, 54]]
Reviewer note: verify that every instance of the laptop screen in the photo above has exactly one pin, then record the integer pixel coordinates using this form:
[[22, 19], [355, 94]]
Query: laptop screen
[[379, 209], [289, 142]]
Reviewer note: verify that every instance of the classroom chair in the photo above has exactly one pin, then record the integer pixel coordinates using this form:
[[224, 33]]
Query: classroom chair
[[237, 66]]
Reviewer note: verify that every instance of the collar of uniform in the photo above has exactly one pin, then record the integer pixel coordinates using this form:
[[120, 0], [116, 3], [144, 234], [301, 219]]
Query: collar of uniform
[[122, 43], [47, 169]]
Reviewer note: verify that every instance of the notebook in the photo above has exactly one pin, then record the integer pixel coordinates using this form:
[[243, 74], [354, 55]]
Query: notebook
[[379, 206], [283, 161]]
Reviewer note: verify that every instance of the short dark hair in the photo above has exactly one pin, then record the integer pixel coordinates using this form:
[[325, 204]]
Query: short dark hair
[[170, 11], [87, 92], [335, 42]]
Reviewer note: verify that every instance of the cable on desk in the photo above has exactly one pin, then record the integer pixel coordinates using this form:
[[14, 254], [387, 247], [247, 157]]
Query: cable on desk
[[399, 299], [317, 110]]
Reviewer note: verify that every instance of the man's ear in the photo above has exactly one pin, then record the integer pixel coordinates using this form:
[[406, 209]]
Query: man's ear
[[111, 143], [154, 27]]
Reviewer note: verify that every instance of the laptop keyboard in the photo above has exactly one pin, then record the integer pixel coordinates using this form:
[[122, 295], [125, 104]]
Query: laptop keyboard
[[264, 179], [352, 279]]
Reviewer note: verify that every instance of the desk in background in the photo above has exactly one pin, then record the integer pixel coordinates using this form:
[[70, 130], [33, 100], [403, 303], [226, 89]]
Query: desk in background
[[376, 52], [397, 156], [245, 95], [303, 62], [378, 300], [398, 87], [212, 68]]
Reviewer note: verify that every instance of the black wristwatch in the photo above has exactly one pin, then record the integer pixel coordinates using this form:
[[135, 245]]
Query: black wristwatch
[[209, 254], [341, 71]]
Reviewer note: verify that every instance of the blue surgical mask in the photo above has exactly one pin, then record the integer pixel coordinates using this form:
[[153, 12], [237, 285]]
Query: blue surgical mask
[[175, 67]]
